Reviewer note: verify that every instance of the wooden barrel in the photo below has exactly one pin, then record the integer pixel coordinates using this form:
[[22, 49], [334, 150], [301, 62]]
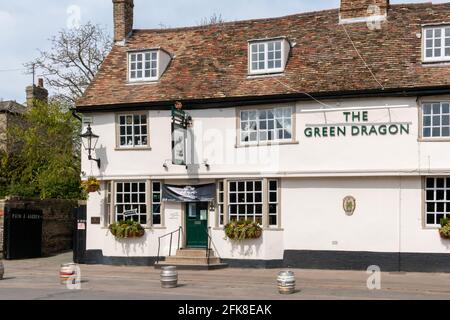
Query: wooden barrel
[[169, 277], [286, 282], [2, 270], [66, 272]]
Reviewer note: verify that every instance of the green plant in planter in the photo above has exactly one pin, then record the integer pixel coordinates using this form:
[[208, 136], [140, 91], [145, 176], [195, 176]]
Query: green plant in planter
[[444, 231], [241, 230], [127, 229]]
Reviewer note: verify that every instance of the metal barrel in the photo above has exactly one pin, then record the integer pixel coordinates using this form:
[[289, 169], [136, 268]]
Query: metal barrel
[[67, 271], [2, 270], [286, 282], [169, 277]]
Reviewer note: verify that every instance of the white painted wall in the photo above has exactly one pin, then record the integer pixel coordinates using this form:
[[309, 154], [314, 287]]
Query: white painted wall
[[214, 134], [381, 172], [388, 216]]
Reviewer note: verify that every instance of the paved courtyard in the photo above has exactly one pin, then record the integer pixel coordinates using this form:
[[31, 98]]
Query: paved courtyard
[[39, 279]]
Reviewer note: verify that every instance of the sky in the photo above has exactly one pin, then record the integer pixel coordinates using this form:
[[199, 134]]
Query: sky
[[26, 27]]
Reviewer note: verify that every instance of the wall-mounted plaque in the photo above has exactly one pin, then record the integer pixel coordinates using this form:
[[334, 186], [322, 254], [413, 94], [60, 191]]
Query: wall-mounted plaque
[[349, 205], [95, 220]]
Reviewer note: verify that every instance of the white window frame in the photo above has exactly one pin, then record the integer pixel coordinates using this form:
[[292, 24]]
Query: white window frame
[[131, 203], [246, 203], [153, 203], [443, 117], [221, 209], [143, 69], [258, 126], [273, 203], [133, 134], [443, 47], [266, 69], [446, 203]]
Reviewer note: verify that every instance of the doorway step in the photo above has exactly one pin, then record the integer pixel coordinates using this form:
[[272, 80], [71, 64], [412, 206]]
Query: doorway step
[[193, 259]]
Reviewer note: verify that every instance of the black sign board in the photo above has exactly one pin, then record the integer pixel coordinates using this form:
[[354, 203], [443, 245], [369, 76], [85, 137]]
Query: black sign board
[[200, 193], [23, 233]]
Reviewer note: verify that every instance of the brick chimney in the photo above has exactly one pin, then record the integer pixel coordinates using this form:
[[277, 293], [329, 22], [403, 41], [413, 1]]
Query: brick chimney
[[123, 19], [354, 9], [36, 93]]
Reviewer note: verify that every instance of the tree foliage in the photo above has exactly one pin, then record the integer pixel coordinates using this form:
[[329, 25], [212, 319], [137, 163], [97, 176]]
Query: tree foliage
[[45, 162], [73, 60]]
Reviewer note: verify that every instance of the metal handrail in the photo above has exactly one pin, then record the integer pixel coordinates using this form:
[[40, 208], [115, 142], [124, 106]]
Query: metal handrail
[[208, 248], [180, 230]]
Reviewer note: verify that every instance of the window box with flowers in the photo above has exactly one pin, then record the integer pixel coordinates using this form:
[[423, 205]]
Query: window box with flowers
[[126, 230], [444, 231], [243, 230]]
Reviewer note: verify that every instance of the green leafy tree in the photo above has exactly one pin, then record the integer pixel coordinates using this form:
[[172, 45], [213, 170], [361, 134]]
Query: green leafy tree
[[45, 162]]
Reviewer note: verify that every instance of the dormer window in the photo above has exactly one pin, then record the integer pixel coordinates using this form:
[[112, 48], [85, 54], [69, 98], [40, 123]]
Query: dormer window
[[436, 44], [269, 56], [147, 65]]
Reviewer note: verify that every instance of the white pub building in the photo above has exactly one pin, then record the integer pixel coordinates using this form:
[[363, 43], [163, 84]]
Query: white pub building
[[330, 129]]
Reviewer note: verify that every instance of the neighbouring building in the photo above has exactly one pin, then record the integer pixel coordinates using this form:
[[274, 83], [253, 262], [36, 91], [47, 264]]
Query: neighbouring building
[[331, 129]]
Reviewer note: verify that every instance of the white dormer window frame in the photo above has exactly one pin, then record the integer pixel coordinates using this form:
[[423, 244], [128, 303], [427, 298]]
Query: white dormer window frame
[[267, 56], [143, 65], [436, 43]]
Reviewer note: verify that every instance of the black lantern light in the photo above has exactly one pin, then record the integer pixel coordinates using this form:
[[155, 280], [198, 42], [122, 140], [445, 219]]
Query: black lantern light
[[90, 140]]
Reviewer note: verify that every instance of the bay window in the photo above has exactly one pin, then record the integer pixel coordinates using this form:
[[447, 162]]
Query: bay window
[[131, 201], [255, 200]]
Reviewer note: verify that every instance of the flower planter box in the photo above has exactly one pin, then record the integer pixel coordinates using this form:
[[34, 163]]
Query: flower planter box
[[243, 230]]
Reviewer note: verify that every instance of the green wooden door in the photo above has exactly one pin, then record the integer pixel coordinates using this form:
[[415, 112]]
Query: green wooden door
[[197, 225]]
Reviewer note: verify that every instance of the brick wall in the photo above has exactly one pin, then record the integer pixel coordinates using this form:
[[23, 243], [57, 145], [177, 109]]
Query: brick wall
[[57, 227]]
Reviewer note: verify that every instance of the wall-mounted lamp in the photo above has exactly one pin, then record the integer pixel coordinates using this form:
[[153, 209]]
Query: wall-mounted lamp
[[89, 141], [212, 206]]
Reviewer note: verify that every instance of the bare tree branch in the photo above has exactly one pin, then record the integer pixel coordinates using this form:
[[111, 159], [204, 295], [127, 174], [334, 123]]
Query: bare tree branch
[[73, 60]]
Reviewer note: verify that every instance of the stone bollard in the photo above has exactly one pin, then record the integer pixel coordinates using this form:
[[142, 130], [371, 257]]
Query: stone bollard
[[169, 277], [286, 282]]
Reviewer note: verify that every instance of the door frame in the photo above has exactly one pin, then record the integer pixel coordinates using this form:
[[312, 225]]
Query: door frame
[[184, 222]]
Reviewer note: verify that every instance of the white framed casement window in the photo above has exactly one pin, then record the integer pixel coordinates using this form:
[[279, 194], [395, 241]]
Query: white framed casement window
[[221, 202], [268, 56], [131, 201], [437, 200], [132, 130], [436, 43], [143, 66], [436, 120], [266, 125], [156, 203], [245, 200], [273, 199]]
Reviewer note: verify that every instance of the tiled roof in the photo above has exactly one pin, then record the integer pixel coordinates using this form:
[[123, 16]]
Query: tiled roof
[[211, 62], [11, 107]]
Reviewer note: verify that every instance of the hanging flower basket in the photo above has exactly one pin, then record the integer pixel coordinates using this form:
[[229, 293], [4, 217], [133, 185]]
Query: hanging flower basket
[[91, 185], [127, 229], [243, 230]]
